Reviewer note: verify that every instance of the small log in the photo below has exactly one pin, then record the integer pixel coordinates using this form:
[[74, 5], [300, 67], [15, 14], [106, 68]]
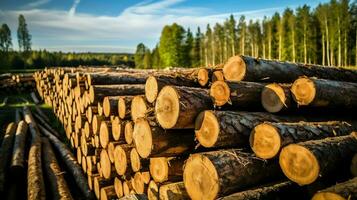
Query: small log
[[91, 180], [97, 92], [116, 78], [173, 191], [108, 193], [156, 142], [164, 169], [304, 162], [340, 191], [139, 108], [5, 153], [118, 186], [177, 107], [128, 132], [268, 138], [106, 166], [105, 135], [324, 93], [121, 159], [127, 187], [217, 75], [137, 163], [99, 183], [18, 154], [124, 104], [236, 95], [244, 68], [138, 183], [153, 191], [96, 123], [110, 105], [135, 197], [57, 183], [111, 148], [277, 98], [217, 173]]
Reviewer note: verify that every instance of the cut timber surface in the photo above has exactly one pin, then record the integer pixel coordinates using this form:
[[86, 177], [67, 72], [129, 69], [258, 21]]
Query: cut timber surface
[[240, 95], [216, 173], [229, 128], [124, 105], [128, 132], [97, 92], [324, 93], [173, 191], [110, 105], [153, 191], [121, 158], [277, 97], [154, 141], [137, 163], [139, 108], [304, 162], [118, 186], [244, 68], [341, 191], [267, 139], [177, 107], [117, 129], [108, 193], [166, 169], [105, 164]]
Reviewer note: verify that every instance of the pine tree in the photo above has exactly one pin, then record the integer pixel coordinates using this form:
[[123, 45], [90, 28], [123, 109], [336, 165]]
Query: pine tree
[[196, 50], [23, 35], [5, 38], [139, 56], [242, 29]]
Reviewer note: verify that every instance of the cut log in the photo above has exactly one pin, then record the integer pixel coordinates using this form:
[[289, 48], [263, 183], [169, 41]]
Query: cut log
[[304, 162], [117, 129], [118, 186], [239, 68], [267, 139], [108, 193], [236, 95], [97, 92], [138, 183], [324, 93], [121, 159], [282, 190], [177, 107], [153, 191], [139, 108], [127, 187], [173, 191], [110, 149], [229, 128], [35, 182], [217, 75], [340, 191], [135, 197], [105, 135], [216, 173], [18, 153], [110, 105], [99, 183], [124, 104], [70, 162], [128, 132], [203, 76], [57, 183], [106, 166], [156, 142], [5, 153], [116, 78], [91, 180], [96, 123], [166, 169], [137, 163], [277, 98]]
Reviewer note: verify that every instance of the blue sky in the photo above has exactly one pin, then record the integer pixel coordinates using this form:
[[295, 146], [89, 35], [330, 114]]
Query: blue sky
[[119, 25]]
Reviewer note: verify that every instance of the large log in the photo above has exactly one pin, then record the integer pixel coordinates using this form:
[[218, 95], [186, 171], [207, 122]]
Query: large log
[[217, 173], [57, 183], [97, 92], [304, 162], [153, 141], [236, 95], [177, 107], [277, 98], [5, 153], [35, 182], [324, 93], [340, 191], [18, 153], [229, 128], [166, 169], [116, 78], [173, 191], [244, 68], [268, 138], [70, 162]]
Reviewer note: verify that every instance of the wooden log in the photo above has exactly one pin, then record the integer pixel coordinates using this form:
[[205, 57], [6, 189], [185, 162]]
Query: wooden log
[[217, 75], [91, 167], [135, 197], [97, 92], [111, 148], [91, 180], [340, 191], [116, 78], [5, 153], [108, 193], [105, 135], [139, 108], [41, 113], [173, 191], [229, 128], [324, 93], [96, 123], [99, 183], [137, 163], [153, 191], [268, 138], [217, 173], [57, 183], [70, 162], [35, 182], [138, 183], [244, 68], [110, 105], [121, 159], [277, 98], [128, 132], [44, 123], [118, 186], [124, 104], [18, 153], [304, 162], [279, 190], [156, 142], [91, 111], [177, 107], [107, 168], [166, 169], [127, 187], [236, 95]]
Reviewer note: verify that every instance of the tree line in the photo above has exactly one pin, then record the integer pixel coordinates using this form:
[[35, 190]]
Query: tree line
[[25, 57], [324, 35]]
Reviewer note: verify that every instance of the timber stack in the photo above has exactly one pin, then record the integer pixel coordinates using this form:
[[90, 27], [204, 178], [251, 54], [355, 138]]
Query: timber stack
[[22, 82], [247, 129]]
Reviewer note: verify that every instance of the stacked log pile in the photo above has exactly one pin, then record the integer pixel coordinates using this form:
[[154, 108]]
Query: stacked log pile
[[249, 129], [23, 82]]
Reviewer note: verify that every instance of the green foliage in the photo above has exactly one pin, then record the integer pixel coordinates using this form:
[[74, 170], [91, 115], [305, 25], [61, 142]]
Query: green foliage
[[23, 35], [5, 38], [139, 56]]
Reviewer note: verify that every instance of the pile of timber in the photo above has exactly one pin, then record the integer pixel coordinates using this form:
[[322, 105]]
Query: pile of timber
[[17, 82], [248, 129]]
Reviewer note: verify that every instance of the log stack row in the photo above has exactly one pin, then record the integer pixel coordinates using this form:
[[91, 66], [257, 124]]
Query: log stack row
[[248, 129], [17, 82]]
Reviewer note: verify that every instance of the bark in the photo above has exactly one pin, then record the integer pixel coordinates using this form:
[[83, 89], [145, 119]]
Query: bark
[[41, 113], [173, 191], [18, 154], [217, 173], [57, 183], [97, 92], [114, 78], [346, 190], [135, 197]]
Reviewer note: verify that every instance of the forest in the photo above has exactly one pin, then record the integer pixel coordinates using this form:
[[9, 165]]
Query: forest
[[323, 35]]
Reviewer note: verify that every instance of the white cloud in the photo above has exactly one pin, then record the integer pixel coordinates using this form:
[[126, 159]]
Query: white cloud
[[36, 4], [72, 11]]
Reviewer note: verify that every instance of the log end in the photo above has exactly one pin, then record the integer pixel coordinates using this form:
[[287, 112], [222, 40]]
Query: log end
[[96, 187], [104, 134], [202, 76], [153, 191], [105, 164], [303, 90], [138, 183], [299, 164], [116, 128], [234, 69], [120, 160], [200, 178], [151, 89], [159, 169], [106, 106], [138, 108], [273, 98], [91, 94], [128, 132], [142, 137], [220, 93], [167, 107], [217, 76], [207, 128], [118, 187], [96, 122], [327, 196], [265, 141], [135, 160]]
